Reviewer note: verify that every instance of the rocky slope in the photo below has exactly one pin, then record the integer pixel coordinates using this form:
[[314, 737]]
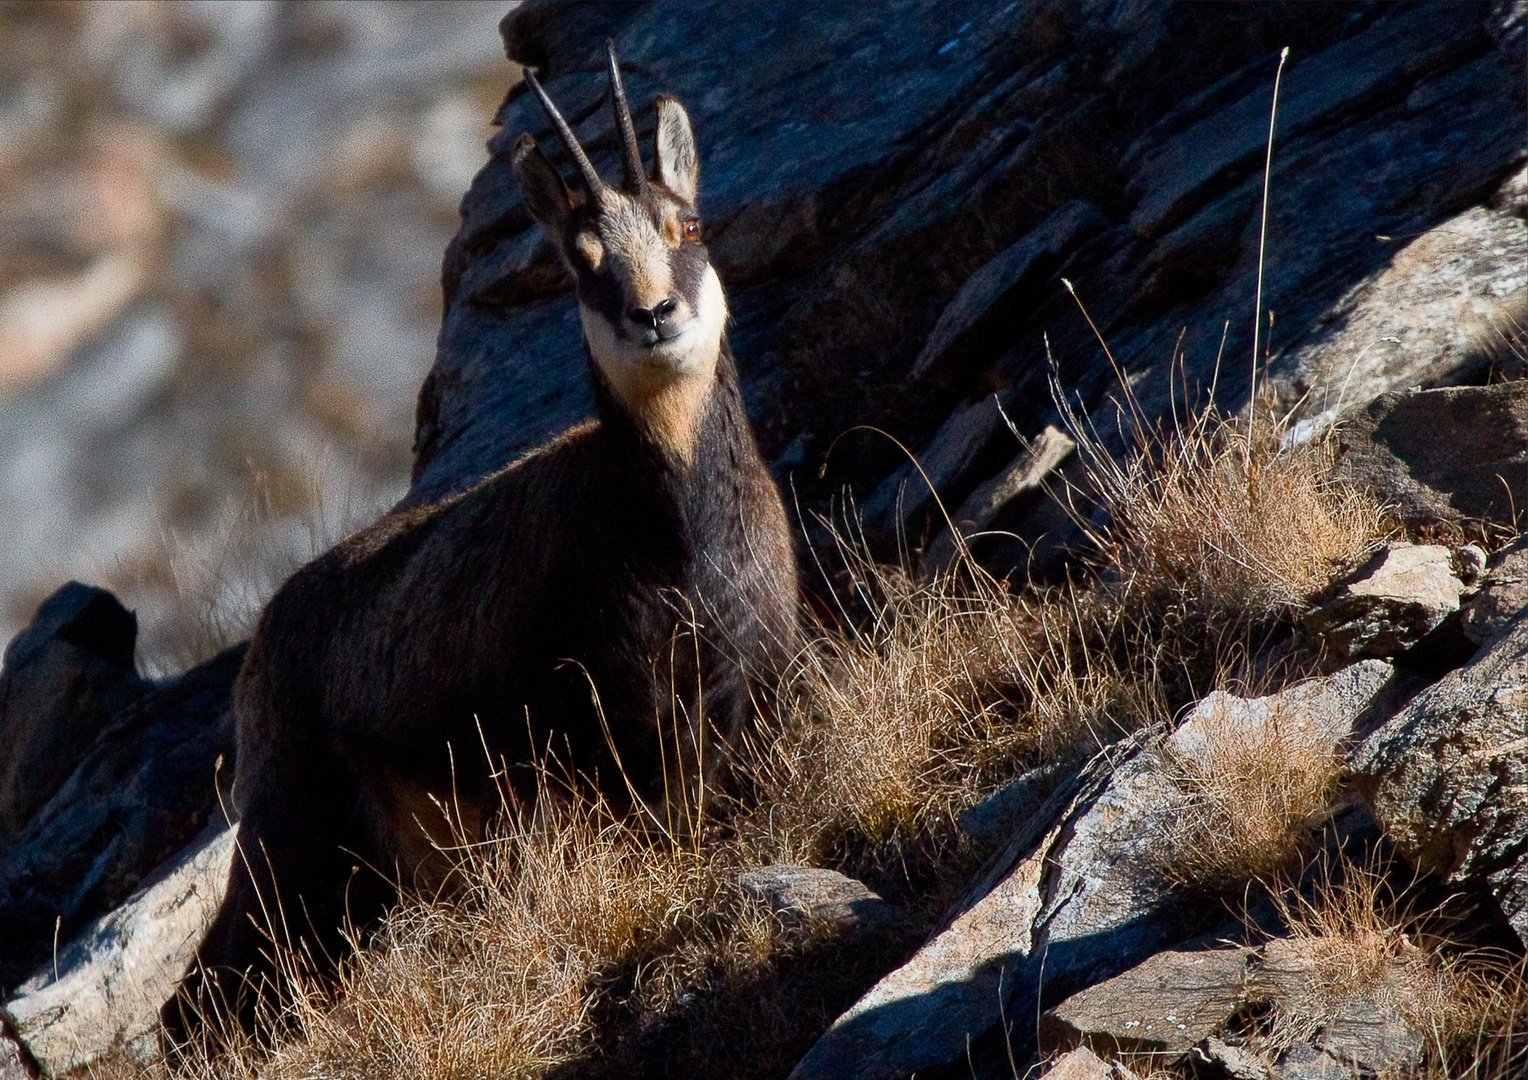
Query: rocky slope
[[894, 195]]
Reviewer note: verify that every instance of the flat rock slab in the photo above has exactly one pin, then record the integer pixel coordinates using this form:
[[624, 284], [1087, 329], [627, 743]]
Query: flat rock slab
[[113, 978], [812, 894], [1447, 777], [1335, 705], [1391, 602], [1167, 1004]]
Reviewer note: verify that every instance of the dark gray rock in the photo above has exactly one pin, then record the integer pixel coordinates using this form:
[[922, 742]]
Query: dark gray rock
[[1503, 594], [1447, 777], [141, 791], [993, 299], [1027, 475], [879, 190], [63, 678], [811, 894], [1390, 603], [1450, 455], [901, 499]]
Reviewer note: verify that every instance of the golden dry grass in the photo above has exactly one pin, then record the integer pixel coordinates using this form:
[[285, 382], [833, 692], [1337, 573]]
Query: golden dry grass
[[945, 689], [1359, 941], [1216, 520], [1253, 787], [561, 913]]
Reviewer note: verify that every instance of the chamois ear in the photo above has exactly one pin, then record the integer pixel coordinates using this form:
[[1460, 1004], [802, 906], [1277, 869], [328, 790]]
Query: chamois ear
[[546, 196], [676, 165]]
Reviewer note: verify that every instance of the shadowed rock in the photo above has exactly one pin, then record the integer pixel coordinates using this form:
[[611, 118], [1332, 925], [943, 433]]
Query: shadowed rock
[[1447, 777], [104, 993], [812, 894], [141, 790], [1450, 455], [64, 677]]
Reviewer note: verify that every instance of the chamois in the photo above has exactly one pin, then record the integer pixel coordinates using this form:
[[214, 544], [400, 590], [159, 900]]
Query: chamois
[[643, 556]]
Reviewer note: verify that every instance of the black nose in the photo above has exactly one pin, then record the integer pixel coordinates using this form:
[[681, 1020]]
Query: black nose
[[654, 316]]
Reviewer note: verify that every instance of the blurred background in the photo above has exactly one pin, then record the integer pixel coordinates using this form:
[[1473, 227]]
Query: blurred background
[[221, 226]]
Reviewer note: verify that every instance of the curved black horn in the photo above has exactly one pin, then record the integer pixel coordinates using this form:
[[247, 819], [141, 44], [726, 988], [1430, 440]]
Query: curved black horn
[[631, 156], [585, 169]]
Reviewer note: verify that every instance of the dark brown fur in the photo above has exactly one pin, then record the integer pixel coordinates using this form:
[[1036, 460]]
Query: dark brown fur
[[381, 671]]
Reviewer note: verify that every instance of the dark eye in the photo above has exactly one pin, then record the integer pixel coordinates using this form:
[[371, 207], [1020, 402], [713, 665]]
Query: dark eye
[[691, 228]]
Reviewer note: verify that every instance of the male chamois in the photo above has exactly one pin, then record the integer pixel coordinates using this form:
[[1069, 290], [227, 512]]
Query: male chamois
[[381, 671]]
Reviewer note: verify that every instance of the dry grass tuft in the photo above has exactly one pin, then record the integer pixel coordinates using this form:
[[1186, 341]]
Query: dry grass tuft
[[945, 689], [1255, 780], [1221, 522], [562, 916], [1356, 941]]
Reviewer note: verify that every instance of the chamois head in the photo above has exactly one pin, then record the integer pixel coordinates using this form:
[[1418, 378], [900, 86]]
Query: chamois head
[[651, 305]]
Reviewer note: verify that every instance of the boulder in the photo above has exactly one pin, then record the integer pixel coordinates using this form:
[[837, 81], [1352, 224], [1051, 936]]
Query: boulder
[[1163, 1006], [104, 992], [1393, 601], [809, 894], [63, 678], [1457, 454], [1074, 898], [1502, 596], [1447, 776]]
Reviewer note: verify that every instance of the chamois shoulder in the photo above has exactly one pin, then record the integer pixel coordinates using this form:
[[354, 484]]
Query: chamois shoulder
[[399, 526]]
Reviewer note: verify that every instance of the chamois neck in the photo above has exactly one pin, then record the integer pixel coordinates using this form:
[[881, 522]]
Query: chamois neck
[[674, 416]]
